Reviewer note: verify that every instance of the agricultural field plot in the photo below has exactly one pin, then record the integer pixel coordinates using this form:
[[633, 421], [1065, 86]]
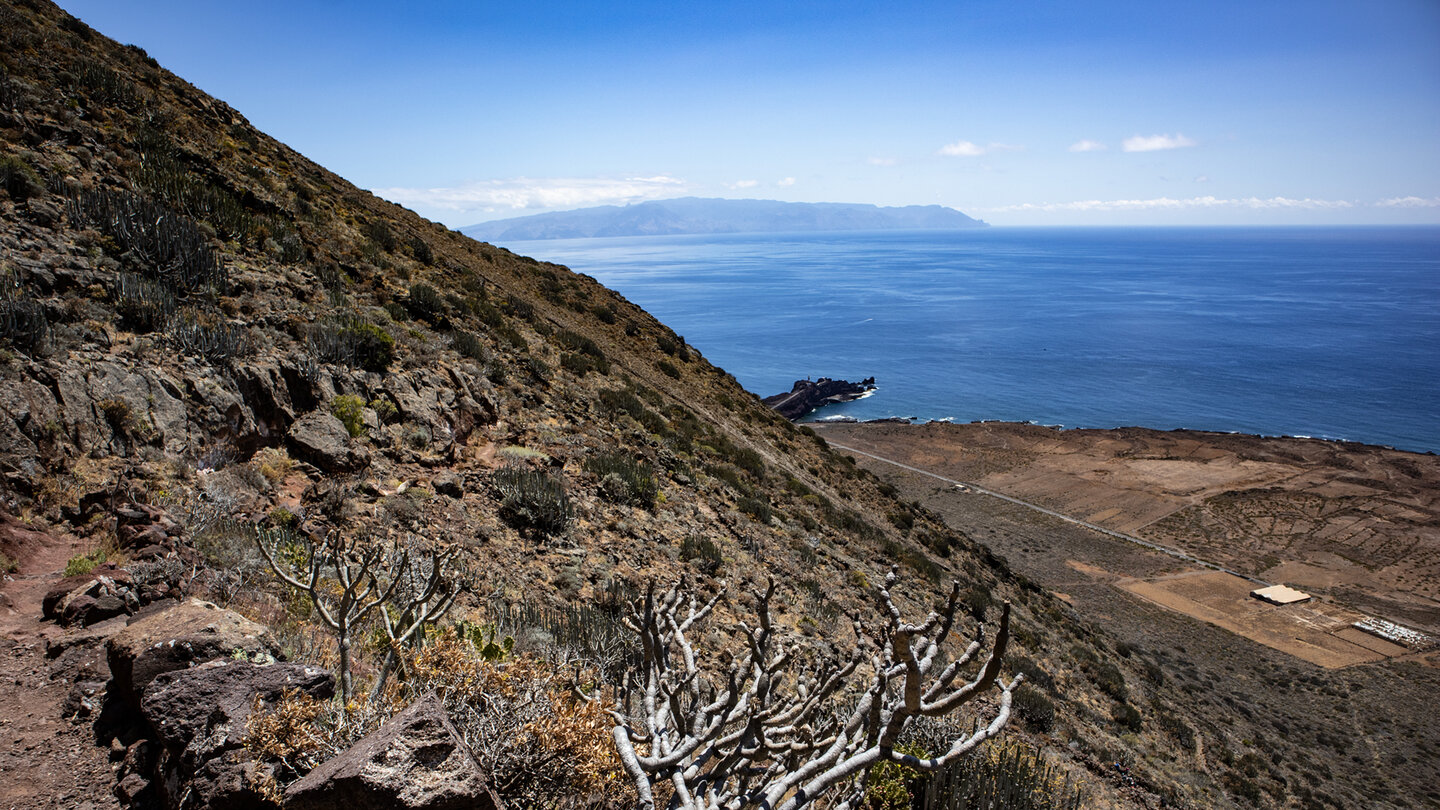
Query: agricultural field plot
[[1321, 633]]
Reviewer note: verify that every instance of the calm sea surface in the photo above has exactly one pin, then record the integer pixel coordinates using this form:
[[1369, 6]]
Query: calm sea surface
[[1327, 332]]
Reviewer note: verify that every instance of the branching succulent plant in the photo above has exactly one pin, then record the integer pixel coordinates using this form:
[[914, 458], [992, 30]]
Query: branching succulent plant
[[768, 736]]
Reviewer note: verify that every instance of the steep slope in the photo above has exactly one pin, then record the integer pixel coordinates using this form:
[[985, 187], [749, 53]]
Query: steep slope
[[195, 315]]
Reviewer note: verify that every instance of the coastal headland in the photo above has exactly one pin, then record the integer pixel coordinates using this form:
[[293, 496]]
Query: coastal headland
[[1357, 526]]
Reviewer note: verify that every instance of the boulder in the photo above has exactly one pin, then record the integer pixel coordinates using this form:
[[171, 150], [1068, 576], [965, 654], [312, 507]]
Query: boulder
[[60, 602], [199, 718], [205, 708], [320, 438], [416, 760], [181, 636]]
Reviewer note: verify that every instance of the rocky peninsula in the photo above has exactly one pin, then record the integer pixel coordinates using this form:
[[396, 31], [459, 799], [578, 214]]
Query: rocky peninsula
[[808, 395]]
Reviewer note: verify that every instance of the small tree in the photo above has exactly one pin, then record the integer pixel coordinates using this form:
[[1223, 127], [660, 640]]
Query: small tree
[[347, 578], [768, 737]]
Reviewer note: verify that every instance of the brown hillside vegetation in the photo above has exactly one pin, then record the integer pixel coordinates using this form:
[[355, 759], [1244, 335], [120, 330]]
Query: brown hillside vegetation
[[208, 339]]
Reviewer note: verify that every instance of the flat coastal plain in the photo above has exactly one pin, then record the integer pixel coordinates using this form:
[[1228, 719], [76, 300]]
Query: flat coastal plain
[[1355, 525]]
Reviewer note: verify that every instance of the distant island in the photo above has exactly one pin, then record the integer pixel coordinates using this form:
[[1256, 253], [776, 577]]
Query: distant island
[[700, 215]]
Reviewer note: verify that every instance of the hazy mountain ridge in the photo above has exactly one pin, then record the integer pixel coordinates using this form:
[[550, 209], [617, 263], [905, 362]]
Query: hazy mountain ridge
[[703, 215]]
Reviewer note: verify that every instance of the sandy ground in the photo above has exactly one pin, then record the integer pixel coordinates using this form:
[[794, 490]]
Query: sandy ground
[[1356, 524]]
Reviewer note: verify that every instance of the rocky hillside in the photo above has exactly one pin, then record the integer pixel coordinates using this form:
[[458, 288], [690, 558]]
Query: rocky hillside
[[207, 336]]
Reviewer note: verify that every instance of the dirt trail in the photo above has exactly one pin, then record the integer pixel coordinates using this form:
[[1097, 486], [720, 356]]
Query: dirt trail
[[46, 761]]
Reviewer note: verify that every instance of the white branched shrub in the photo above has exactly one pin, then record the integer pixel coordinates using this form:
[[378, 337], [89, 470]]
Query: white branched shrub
[[767, 731]]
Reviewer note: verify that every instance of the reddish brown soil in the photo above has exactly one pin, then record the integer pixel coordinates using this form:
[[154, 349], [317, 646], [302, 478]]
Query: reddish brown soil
[[47, 760]]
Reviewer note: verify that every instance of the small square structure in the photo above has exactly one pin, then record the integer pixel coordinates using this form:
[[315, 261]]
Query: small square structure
[[1280, 595]]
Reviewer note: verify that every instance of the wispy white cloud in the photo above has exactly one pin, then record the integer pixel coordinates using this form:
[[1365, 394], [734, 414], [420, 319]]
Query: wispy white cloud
[[1170, 204], [785, 181], [1088, 146], [1153, 143], [962, 149], [1200, 178], [970, 149], [882, 161], [520, 193], [1410, 202], [739, 184]]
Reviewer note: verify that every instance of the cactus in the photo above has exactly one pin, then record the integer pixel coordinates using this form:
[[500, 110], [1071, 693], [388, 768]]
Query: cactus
[[624, 479], [216, 341], [533, 499], [141, 304], [1012, 776], [164, 242]]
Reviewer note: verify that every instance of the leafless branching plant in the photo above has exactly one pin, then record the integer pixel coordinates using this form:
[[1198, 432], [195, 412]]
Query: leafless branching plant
[[347, 578], [775, 735]]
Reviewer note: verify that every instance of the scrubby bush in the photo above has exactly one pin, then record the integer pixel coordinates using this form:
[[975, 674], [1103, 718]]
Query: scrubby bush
[[533, 499], [468, 345], [426, 304], [614, 402], [350, 410], [624, 479], [1126, 717], [352, 341], [577, 364], [18, 179], [756, 508], [668, 368], [583, 345], [1037, 710], [1011, 775]]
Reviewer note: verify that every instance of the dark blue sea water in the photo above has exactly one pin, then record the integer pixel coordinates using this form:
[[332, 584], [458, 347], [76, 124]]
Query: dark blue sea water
[[1327, 332]]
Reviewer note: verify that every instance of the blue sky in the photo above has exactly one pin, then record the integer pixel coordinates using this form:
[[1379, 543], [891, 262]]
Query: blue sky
[[1020, 113]]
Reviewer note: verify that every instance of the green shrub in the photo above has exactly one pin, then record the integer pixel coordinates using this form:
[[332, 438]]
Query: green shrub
[[623, 479], [426, 304], [1108, 679], [468, 345], [668, 368], [756, 508], [420, 249], [533, 499], [583, 345], [384, 409], [352, 341], [350, 410], [84, 563], [577, 364], [605, 312]]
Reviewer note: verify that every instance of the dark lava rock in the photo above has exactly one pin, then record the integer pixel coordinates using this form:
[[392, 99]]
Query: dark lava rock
[[417, 760], [808, 395], [183, 636], [321, 439]]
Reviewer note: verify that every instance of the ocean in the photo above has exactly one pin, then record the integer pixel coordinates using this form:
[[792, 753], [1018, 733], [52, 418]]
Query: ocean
[[1319, 331]]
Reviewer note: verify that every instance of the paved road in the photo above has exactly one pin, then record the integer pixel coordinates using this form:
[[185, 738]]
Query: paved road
[[1129, 538]]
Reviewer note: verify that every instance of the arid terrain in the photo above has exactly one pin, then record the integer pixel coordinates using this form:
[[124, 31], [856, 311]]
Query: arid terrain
[[1354, 525]]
